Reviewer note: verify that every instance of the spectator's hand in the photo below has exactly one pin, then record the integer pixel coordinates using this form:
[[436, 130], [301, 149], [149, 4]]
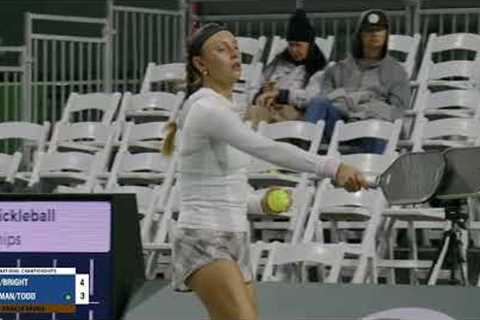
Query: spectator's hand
[[267, 98], [350, 178]]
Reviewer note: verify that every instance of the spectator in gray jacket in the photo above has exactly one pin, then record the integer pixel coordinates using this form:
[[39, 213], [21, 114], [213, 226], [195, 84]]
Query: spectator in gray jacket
[[368, 84]]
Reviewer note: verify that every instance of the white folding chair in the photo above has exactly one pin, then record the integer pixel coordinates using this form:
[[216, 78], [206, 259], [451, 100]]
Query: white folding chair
[[150, 106], [269, 173], [252, 47], [248, 84], [406, 45], [344, 211], [311, 253], [170, 72], [455, 73], [157, 232], [103, 107], [263, 174], [68, 168], [364, 206], [84, 136], [143, 168], [279, 44], [28, 137], [448, 103], [9, 166], [444, 133], [147, 136], [373, 128]]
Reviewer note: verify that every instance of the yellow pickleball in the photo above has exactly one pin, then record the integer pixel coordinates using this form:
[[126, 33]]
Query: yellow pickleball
[[279, 200]]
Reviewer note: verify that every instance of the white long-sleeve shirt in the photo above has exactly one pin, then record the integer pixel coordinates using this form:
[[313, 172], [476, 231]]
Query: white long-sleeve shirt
[[214, 154]]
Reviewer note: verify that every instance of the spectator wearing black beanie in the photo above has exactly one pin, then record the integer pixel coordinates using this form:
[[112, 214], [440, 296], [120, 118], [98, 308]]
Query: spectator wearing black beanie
[[292, 71]]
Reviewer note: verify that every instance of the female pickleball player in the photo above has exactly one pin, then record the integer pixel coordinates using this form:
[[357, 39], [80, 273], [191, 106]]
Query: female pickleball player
[[210, 245]]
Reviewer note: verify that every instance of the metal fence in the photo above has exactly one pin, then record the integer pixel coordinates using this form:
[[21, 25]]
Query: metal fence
[[143, 35], [12, 90], [60, 64], [446, 21]]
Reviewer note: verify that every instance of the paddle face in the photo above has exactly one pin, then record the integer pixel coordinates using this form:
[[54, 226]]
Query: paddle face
[[412, 178], [462, 173]]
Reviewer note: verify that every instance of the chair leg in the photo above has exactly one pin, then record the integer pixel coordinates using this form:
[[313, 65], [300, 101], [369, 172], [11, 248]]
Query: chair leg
[[390, 250], [413, 252], [438, 264]]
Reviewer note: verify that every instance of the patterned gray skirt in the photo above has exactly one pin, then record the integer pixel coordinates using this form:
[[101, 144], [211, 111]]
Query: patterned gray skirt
[[195, 248]]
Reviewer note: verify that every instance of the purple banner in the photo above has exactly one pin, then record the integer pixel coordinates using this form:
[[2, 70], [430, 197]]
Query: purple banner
[[55, 226]]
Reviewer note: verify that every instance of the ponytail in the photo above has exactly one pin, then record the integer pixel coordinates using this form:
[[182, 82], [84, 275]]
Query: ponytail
[[169, 142], [194, 78]]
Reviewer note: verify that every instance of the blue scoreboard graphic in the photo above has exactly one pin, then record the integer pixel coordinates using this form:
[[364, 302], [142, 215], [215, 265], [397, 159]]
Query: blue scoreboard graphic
[[42, 290], [55, 260]]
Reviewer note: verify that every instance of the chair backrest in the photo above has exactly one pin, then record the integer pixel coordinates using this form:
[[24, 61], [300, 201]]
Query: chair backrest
[[279, 44], [146, 165], [250, 77], [408, 46], [86, 136], [76, 167], [301, 130], [365, 129], [104, 103], [161, 73], [324, 254], [28, 131], [449, 103], [9, 166], [247, 86], [147, 135], [153, 162], [448, 132], [311, 132], [459, 68], [153, 105], [67, 162], [253, 47]]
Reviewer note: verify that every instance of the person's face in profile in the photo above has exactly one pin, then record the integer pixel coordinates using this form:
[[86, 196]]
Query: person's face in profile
[[298, 50], [374, 37], [221, 58]]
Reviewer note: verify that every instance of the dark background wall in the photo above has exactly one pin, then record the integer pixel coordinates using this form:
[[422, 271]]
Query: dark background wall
[[12, 13], [285, 6]]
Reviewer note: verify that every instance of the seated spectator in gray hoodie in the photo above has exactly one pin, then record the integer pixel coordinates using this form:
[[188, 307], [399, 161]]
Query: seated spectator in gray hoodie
[[292, 78], [369, 84]]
